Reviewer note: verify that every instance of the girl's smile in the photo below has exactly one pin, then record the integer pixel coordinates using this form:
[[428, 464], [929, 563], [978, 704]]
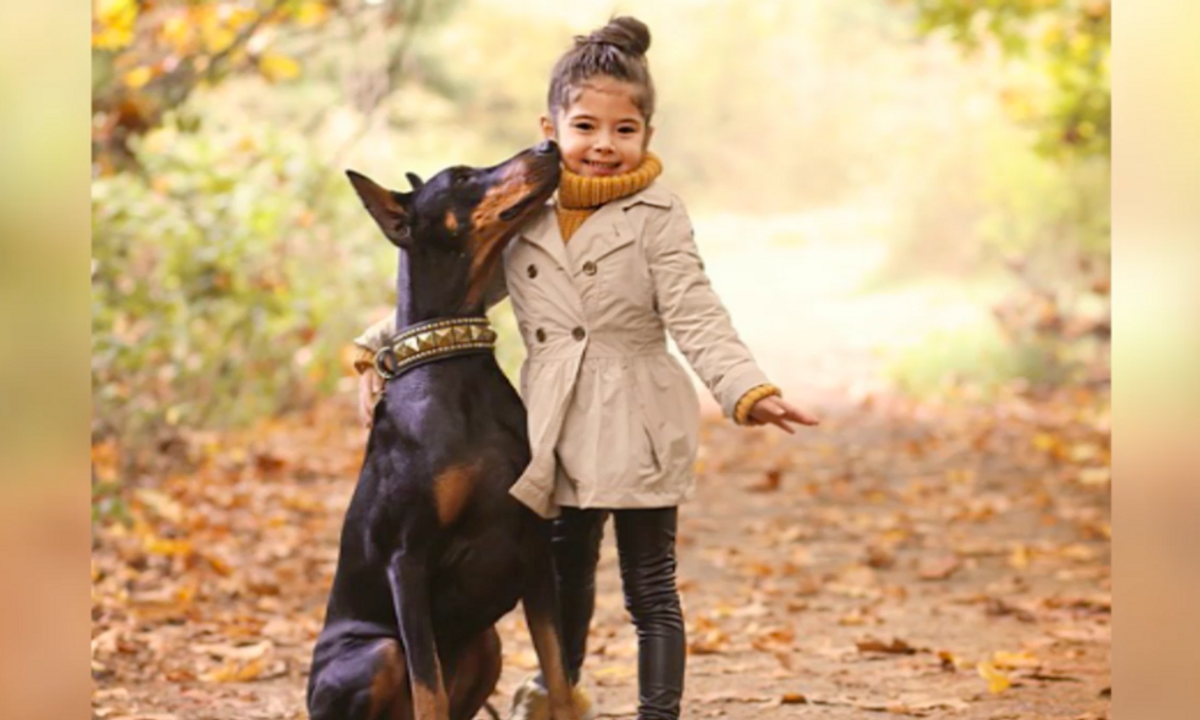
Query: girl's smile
[[602, 133]]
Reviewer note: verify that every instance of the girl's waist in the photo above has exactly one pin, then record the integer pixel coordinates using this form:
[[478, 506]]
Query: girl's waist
[[601, 346]]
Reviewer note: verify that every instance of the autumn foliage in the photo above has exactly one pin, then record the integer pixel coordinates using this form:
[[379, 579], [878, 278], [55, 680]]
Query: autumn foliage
[[932, 549]]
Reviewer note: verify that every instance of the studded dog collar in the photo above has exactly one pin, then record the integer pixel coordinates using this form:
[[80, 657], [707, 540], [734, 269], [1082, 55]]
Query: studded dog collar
[[433, 340]]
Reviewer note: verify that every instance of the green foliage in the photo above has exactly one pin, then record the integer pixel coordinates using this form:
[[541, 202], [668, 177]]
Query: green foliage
[[1067, 42], [224, 285], [979, 356]]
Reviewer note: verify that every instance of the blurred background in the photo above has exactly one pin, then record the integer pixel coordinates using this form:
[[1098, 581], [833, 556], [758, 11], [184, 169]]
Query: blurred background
[[903, 203], [892, 196]]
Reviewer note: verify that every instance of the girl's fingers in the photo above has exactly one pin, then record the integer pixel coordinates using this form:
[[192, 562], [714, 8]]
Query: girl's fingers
[[776, 411], [783, 424], [799, 415]]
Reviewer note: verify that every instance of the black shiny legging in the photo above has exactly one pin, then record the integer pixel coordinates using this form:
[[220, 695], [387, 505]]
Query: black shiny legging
[[646, 548]]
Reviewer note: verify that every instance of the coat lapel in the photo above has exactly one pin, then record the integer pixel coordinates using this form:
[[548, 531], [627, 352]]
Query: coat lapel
[[600, 234], [607, 230]]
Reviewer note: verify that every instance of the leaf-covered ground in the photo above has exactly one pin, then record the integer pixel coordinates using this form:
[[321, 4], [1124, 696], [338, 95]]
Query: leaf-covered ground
[[898, 561]]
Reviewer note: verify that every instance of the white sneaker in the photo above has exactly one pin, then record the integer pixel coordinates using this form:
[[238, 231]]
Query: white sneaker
[[531, 702]]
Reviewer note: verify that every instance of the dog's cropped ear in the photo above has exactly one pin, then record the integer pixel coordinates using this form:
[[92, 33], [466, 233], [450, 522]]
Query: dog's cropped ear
[[390, 209], [414, 180]]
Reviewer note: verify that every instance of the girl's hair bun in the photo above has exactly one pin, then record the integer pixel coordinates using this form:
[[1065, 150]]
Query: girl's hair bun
[[627, 33], [617, 50]]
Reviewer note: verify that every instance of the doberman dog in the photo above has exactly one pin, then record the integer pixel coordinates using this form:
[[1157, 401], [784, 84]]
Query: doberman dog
[[434, 551]]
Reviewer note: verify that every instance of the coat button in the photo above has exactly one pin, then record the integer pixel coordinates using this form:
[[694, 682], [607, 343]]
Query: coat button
[[578, 333], [532, 270], [589, 268], [541, 334]]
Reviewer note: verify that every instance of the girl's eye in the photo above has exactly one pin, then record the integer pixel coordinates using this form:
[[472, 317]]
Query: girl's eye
[[627, 130], [583, 126]]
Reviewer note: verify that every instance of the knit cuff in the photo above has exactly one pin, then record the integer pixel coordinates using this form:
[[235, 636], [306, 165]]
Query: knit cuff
[[741, 411], [364, 359]]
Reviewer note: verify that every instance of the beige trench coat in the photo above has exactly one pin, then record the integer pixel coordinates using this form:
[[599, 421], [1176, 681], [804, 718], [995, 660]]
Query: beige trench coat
[[613, 417]]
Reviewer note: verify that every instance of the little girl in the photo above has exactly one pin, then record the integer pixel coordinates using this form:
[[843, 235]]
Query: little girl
[[595, 280]]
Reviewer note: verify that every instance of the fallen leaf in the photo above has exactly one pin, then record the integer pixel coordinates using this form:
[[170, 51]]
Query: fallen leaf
[[1050, 677], [236, 672], [949, 662], [880, 558], [997, 681], [1009, 661], [1018, 559], [997, 607], [940, 569], [770, 482], [731, 696], [895, 647]]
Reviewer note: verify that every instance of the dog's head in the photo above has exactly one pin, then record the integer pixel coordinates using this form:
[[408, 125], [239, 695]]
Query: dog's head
[[456, 224]]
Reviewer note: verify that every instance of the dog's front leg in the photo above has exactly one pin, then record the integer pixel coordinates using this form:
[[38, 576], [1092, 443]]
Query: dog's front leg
[[540, 603], [409, 577]]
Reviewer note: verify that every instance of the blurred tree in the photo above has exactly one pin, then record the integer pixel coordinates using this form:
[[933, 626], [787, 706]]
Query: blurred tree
[[1067, 41], [149, 56]]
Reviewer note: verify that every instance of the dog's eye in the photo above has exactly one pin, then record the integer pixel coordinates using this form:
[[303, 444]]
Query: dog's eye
[[461, 179]]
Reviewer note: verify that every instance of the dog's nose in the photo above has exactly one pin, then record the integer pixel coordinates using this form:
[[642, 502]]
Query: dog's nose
[[546, 147]]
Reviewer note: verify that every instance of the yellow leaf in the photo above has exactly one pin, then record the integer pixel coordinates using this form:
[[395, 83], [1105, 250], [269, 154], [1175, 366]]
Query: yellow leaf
[[177, 31], [1019, 558], [997, 681], [312, 13], [218, 38], [111, 38], [165, 546], [114, 24], [1002, 659], [1046, 442], [115, 19], [236, 672], [278, 67]]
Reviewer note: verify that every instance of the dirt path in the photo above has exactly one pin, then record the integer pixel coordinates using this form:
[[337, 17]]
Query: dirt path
[[888, 563], [796, 554]]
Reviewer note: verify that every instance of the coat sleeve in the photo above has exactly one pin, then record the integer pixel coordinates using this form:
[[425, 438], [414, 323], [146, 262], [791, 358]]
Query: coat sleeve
[[375, 336], [695, 316]]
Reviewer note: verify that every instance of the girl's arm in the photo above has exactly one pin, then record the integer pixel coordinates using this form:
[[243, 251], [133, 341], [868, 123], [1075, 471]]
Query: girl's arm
[[700, 324]]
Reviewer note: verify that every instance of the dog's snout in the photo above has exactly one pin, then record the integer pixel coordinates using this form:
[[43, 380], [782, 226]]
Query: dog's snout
[[546, 147]]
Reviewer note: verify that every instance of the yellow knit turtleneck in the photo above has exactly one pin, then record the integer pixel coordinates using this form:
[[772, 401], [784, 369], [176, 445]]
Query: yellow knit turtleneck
[[580, 196]]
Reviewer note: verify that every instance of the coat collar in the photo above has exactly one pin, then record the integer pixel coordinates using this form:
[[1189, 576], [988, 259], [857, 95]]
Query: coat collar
[[655, 194], [543, 230]]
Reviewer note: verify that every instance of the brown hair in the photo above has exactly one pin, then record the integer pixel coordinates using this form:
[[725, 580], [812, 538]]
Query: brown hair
[[618, 50]]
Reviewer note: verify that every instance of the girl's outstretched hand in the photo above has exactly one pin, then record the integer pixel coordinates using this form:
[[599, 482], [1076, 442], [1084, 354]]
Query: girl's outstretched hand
[[369, 387], [777, 411]]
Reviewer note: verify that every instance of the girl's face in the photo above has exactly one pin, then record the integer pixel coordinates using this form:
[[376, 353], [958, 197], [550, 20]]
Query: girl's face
[[602, 133]]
